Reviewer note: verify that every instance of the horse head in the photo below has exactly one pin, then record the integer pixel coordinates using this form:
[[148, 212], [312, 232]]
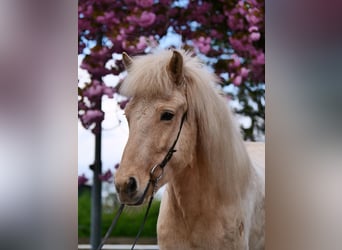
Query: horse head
[[155, 116]]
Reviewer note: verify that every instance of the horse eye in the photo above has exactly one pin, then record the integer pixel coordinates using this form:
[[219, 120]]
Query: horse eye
[[166, 116]]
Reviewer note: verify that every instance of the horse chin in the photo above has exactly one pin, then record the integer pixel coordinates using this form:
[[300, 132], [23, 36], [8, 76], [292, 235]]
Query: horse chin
[[141, 200], [137, 200]]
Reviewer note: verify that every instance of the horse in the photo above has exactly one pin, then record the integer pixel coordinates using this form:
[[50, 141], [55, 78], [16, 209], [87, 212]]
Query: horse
[[214, 195]]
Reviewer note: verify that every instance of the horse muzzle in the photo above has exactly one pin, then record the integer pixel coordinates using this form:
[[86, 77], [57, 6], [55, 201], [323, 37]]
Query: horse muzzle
[[129, 192]]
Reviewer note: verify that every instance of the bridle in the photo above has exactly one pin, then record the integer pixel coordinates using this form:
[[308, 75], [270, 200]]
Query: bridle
[[154, 179]]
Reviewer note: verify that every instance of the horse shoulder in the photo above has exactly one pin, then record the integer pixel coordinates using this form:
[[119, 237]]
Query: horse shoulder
[[168, 232], [256, 151]]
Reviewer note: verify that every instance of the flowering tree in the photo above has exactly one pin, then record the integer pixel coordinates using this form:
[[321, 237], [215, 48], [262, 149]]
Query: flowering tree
[[227, 34], [230, 35]]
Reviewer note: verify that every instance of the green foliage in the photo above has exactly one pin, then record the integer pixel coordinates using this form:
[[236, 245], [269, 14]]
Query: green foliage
[[128, 224], [84, 214]]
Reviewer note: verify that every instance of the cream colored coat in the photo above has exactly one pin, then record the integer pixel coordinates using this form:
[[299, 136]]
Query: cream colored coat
[[215, 192]]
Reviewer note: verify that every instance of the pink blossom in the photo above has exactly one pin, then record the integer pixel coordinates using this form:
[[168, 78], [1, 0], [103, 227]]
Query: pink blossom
[[204, 49], [237, 80], [254, 36], [130, 28], [146, 19], [144, 3], [89, 10], [131, 19], [251, 50], [260, 59], [252, 19], [214, 33], [93, 91], [107, 176], [142, 44], [236, 61], [152, 42], [235, 23], [203, 44], [253, 29], [108, 91], [236, 44], [108, 16], [241, 8], [122, 30], [96, 90], [92, 116], [119, 38], [244, 72], [253, 2], [81, 105], [82, 180]]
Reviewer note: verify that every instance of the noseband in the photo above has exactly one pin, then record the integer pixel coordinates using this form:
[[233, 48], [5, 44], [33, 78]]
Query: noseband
[[156, 174]]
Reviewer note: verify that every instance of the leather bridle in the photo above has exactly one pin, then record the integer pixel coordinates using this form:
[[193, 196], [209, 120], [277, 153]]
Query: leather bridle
[[155, 176]]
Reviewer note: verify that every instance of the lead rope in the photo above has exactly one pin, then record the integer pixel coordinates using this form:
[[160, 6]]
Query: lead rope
[[143, 223], [154, 183], [118, 213], [115, 220]]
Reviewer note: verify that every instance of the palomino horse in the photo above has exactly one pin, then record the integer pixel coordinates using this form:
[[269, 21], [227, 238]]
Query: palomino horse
[[214, 197]]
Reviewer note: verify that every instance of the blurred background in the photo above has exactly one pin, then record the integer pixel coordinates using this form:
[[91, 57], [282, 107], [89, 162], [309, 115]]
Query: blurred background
[[39, 128]]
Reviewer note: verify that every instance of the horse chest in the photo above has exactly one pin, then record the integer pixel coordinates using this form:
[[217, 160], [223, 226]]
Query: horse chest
[[187, 237], [206, 234]]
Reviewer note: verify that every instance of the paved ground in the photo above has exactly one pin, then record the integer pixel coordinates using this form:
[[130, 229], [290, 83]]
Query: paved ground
[[120, 247]]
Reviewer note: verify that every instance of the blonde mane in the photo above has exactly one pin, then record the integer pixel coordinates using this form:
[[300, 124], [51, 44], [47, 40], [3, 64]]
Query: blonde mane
[[219, 142]]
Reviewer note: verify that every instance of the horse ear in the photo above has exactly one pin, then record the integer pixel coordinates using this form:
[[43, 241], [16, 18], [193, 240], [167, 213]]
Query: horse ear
[[176, 67], [127, 61]]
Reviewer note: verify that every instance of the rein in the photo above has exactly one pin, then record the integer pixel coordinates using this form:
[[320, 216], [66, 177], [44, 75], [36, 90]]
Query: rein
[[154, 179]]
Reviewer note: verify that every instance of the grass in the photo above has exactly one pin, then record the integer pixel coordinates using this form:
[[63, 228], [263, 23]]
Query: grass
[[128, 224]]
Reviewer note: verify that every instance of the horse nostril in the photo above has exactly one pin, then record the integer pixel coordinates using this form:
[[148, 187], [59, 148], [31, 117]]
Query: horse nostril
[[131, 185]]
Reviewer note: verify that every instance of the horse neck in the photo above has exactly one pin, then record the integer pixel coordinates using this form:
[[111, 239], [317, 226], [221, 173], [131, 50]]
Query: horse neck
[[197, 189], [190, 192]]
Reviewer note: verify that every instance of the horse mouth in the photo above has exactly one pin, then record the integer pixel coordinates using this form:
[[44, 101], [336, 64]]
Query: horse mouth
[[137, 200], [140, 201]]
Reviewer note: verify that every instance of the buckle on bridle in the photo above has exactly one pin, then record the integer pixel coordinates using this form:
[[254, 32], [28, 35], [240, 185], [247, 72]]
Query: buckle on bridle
[[155, 178]]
